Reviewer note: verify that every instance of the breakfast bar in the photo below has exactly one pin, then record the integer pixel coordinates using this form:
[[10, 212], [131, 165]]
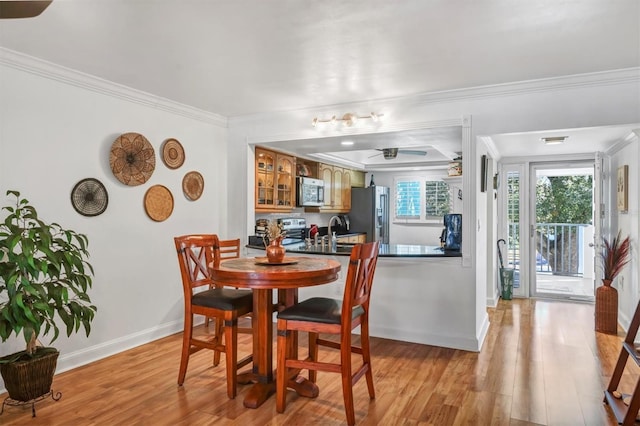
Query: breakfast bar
[[386, 250]]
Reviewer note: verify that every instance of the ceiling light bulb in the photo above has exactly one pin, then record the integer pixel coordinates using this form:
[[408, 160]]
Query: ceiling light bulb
[[349, 119], [333, 120], [374, 117], [346, 143], [314, 123]]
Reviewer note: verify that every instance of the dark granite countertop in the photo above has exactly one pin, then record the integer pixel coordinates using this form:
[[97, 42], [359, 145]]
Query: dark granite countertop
[[386, 250]]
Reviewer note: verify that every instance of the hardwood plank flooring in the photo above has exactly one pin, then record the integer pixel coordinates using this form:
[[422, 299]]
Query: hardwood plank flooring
[[542, 364]]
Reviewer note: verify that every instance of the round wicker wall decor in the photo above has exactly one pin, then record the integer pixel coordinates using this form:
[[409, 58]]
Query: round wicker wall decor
[[193, 185], [172, 153], [132, 159], [89, 197], [158, 203]]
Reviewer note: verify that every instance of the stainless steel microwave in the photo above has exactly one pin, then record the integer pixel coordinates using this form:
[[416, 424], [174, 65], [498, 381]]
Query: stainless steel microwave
[[310, 192]]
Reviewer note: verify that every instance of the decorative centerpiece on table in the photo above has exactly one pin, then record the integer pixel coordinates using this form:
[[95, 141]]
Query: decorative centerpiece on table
[[273, 237], [614, 257]]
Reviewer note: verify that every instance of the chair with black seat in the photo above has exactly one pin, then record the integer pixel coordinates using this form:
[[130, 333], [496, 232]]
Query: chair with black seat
[[338, 317], [228, 249], [196, 254]]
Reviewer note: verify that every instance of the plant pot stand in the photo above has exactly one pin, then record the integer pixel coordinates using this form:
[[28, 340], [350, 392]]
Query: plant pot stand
[[13, 403], [28, 378]]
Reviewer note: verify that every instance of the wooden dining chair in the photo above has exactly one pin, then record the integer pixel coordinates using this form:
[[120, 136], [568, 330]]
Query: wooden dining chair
[[323, 315], [228, 249], [196, 254]]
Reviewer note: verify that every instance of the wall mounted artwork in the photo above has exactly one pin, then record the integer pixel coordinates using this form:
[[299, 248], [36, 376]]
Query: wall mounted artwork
[[132, 159], [622, 185]]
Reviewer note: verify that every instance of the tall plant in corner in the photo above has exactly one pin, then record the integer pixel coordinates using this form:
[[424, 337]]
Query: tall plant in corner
[[44, 277], [614, 257]]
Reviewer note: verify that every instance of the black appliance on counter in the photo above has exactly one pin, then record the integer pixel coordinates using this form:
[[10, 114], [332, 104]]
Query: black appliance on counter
[[451, 238], [294, 228], [370, 213]]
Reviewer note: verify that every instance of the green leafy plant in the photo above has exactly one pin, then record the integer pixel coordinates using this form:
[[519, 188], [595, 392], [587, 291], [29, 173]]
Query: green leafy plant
[[44, 275], [615, 256]]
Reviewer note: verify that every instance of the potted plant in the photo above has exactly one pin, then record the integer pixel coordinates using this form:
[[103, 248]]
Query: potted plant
[[614, 257], [44, 277]]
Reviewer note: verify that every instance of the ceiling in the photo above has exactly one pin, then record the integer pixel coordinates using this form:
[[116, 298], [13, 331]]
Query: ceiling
[[244, 57]]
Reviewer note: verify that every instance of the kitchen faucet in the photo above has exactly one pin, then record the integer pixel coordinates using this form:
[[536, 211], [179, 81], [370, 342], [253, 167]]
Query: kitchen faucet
[[330, 224]]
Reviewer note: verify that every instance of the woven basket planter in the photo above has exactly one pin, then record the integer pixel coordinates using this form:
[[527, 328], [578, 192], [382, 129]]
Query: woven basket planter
[[606, 310], [29, 378]]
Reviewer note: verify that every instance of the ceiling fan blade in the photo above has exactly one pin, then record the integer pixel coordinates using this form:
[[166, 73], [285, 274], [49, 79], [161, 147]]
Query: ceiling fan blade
[[412, 152], [22, 9]]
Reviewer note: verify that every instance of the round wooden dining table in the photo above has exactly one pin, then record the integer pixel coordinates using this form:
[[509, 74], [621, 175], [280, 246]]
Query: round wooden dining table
[[262, 277]]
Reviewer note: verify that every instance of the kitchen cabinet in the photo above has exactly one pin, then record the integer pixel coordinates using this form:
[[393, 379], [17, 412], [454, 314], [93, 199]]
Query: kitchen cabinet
[[337, 189], [274, 181], [352, 239], [346, 189], [325, 172], [357, 178]]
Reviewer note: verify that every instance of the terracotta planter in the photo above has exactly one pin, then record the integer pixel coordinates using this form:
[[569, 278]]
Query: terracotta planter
[[606, 309], [275, 251]]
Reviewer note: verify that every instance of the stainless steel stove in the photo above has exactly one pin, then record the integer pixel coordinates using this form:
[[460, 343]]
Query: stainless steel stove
[[294, 228]]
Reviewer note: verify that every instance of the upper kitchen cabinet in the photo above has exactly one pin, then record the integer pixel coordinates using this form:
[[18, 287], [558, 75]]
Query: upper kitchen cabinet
[[337, 189], [357, 179], [275, 181], [346, 189]]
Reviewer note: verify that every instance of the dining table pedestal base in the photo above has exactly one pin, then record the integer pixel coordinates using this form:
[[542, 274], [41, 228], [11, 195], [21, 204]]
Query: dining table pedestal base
[[260, 392]]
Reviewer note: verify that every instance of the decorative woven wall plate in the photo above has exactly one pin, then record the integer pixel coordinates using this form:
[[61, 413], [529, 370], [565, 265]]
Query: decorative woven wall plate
[[193, 185], [89, 197], [172, 153], [158, 203], [133, 159]]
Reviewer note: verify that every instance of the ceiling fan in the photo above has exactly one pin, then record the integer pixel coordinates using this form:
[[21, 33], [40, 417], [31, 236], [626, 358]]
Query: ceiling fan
[[391, 153], [16, 9]]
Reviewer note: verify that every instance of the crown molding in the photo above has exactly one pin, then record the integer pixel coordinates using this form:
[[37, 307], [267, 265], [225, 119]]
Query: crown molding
[[492, 149], [632, 137], [595, 79], [42, 68]]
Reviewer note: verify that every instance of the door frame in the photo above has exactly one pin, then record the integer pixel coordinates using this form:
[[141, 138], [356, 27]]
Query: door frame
[[522, 165], [534, 166]]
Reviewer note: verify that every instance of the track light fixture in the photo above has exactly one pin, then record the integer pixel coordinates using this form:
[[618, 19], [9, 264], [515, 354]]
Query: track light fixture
[[349, 119]]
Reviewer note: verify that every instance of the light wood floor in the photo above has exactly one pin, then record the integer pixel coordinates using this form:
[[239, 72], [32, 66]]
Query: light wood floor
[[541, 363]]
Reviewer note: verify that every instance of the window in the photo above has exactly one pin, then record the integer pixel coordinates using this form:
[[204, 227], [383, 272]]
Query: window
[[420, 199], [437, 198]]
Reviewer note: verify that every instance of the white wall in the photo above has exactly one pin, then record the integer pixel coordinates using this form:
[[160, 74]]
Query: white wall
[[56, 128], [627, 283]]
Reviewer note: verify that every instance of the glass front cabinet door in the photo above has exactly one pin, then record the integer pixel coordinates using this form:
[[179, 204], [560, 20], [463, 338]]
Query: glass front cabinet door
[[275, 184]]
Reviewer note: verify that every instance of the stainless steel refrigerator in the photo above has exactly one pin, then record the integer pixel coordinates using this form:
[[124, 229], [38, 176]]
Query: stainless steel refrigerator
[[370, 212]]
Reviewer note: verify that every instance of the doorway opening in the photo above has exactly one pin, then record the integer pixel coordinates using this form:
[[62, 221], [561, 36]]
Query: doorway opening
[[561, 254]]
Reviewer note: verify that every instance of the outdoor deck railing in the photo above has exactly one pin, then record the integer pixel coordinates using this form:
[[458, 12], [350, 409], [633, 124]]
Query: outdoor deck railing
[[560, 248]]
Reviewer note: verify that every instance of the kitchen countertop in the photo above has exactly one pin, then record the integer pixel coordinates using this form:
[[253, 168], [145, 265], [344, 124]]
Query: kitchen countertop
[[386, 250]]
